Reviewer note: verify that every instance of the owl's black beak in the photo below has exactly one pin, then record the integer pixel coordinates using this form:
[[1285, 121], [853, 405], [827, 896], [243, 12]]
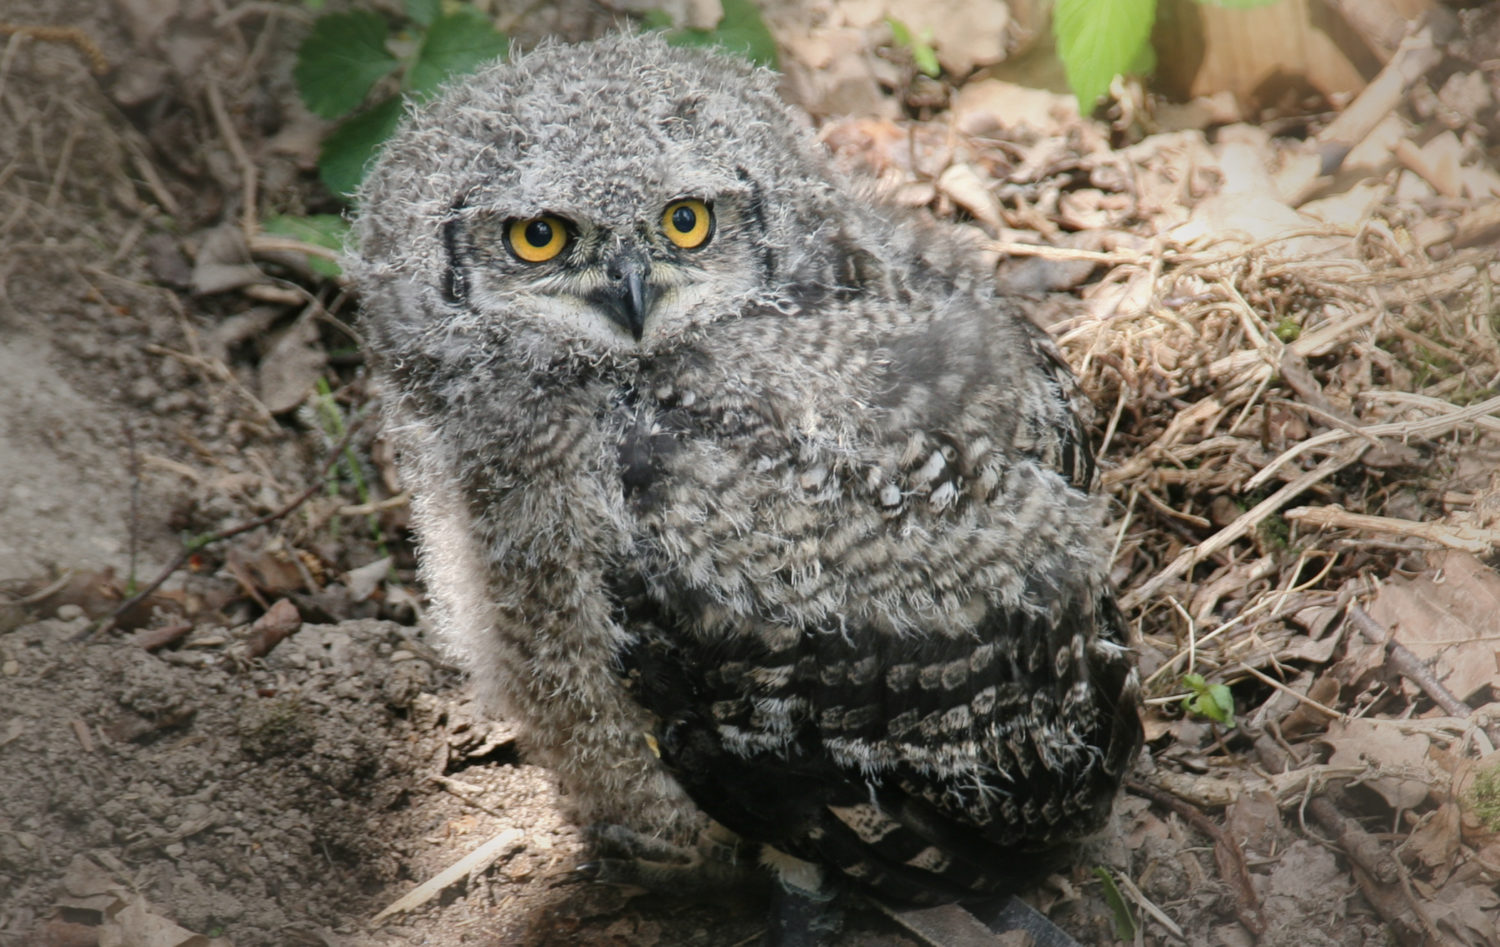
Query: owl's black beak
[[628, 295]]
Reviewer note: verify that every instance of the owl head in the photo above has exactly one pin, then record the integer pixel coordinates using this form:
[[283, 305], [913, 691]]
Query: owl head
[[597, 201]]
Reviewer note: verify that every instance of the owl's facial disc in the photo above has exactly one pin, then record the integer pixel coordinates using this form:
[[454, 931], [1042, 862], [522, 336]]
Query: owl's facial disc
[[602, 277]]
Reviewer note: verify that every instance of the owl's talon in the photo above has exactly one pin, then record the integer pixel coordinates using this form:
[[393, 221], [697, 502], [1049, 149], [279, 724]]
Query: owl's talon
[[588, 871], [698, 879], [618, 841]]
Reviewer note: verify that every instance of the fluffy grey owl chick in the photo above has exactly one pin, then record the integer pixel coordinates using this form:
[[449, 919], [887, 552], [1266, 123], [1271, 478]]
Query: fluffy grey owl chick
[[741, 492]]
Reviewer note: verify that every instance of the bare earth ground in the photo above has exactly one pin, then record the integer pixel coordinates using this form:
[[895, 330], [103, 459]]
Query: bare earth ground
[[220, 768]]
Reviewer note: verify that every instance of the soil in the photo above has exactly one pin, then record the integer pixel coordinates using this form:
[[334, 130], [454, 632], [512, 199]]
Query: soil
[[212, 789]]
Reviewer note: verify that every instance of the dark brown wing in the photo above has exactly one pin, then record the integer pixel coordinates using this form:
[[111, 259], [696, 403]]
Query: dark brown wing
[[927, 768]]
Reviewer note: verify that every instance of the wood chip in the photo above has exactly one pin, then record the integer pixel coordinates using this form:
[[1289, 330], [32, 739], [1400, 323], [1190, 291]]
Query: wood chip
[[504, 844]]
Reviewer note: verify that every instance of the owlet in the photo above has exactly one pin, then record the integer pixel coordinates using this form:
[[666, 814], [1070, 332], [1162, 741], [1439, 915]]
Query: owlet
[[748, 497]]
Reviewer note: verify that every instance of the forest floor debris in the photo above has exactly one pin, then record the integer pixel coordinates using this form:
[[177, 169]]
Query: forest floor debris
[[1290, 328]]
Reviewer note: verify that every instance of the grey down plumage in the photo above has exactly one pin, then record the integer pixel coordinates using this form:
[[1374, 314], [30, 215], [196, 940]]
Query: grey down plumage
[[771, 508]]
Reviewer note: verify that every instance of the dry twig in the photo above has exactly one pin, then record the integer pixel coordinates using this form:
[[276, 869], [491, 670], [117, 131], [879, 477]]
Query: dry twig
[[1242, 524], [70, 35], [505, 843], [1411, 667], [1471, 539]]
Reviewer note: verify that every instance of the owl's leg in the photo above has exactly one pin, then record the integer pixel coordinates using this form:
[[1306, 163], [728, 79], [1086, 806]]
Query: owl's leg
[[718, 863]]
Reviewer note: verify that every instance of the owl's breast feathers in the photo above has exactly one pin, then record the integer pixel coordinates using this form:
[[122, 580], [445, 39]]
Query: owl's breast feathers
[[897, 658]]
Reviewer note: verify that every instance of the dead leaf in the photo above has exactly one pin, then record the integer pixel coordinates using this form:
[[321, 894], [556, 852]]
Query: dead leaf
[[1435, 842], [1086, 209], [363, 581], [1471, 912], [223, 262], [1304, 718], [1352, 208], [889, 150], [1247, 218], [1317, 618], [1397, 760], [279, 621], [291, 368], [828, 72], [1302, 648], [1221, 108], [989, 106], [133, 923], [97, 593], [1450, 619], [60, 933], [129, 920], [1442, 157], [272, 571], [154, 639], [1254, 820], [968, 190]]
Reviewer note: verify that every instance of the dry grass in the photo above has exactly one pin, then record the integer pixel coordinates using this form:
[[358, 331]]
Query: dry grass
[[1330, 371]]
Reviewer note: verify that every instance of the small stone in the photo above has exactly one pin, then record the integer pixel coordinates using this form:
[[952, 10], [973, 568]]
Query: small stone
[[69, 612]]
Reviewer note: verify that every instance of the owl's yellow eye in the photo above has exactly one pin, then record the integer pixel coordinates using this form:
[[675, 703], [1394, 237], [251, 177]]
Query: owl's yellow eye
[[688, 223], [536, 239]]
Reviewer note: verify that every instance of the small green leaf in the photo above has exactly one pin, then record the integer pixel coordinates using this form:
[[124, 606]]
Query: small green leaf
[[341, 59], [423, 11], [1098, 40], [1124, 921], [925, 58], [740, 31], [456, 43], [900, 34], [323, 230], [656, 20], [1213, 701], [348, 149], [922, 54]]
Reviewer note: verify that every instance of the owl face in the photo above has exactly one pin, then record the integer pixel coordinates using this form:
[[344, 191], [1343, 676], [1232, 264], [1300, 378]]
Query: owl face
[[627, 274], [567, 209]]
